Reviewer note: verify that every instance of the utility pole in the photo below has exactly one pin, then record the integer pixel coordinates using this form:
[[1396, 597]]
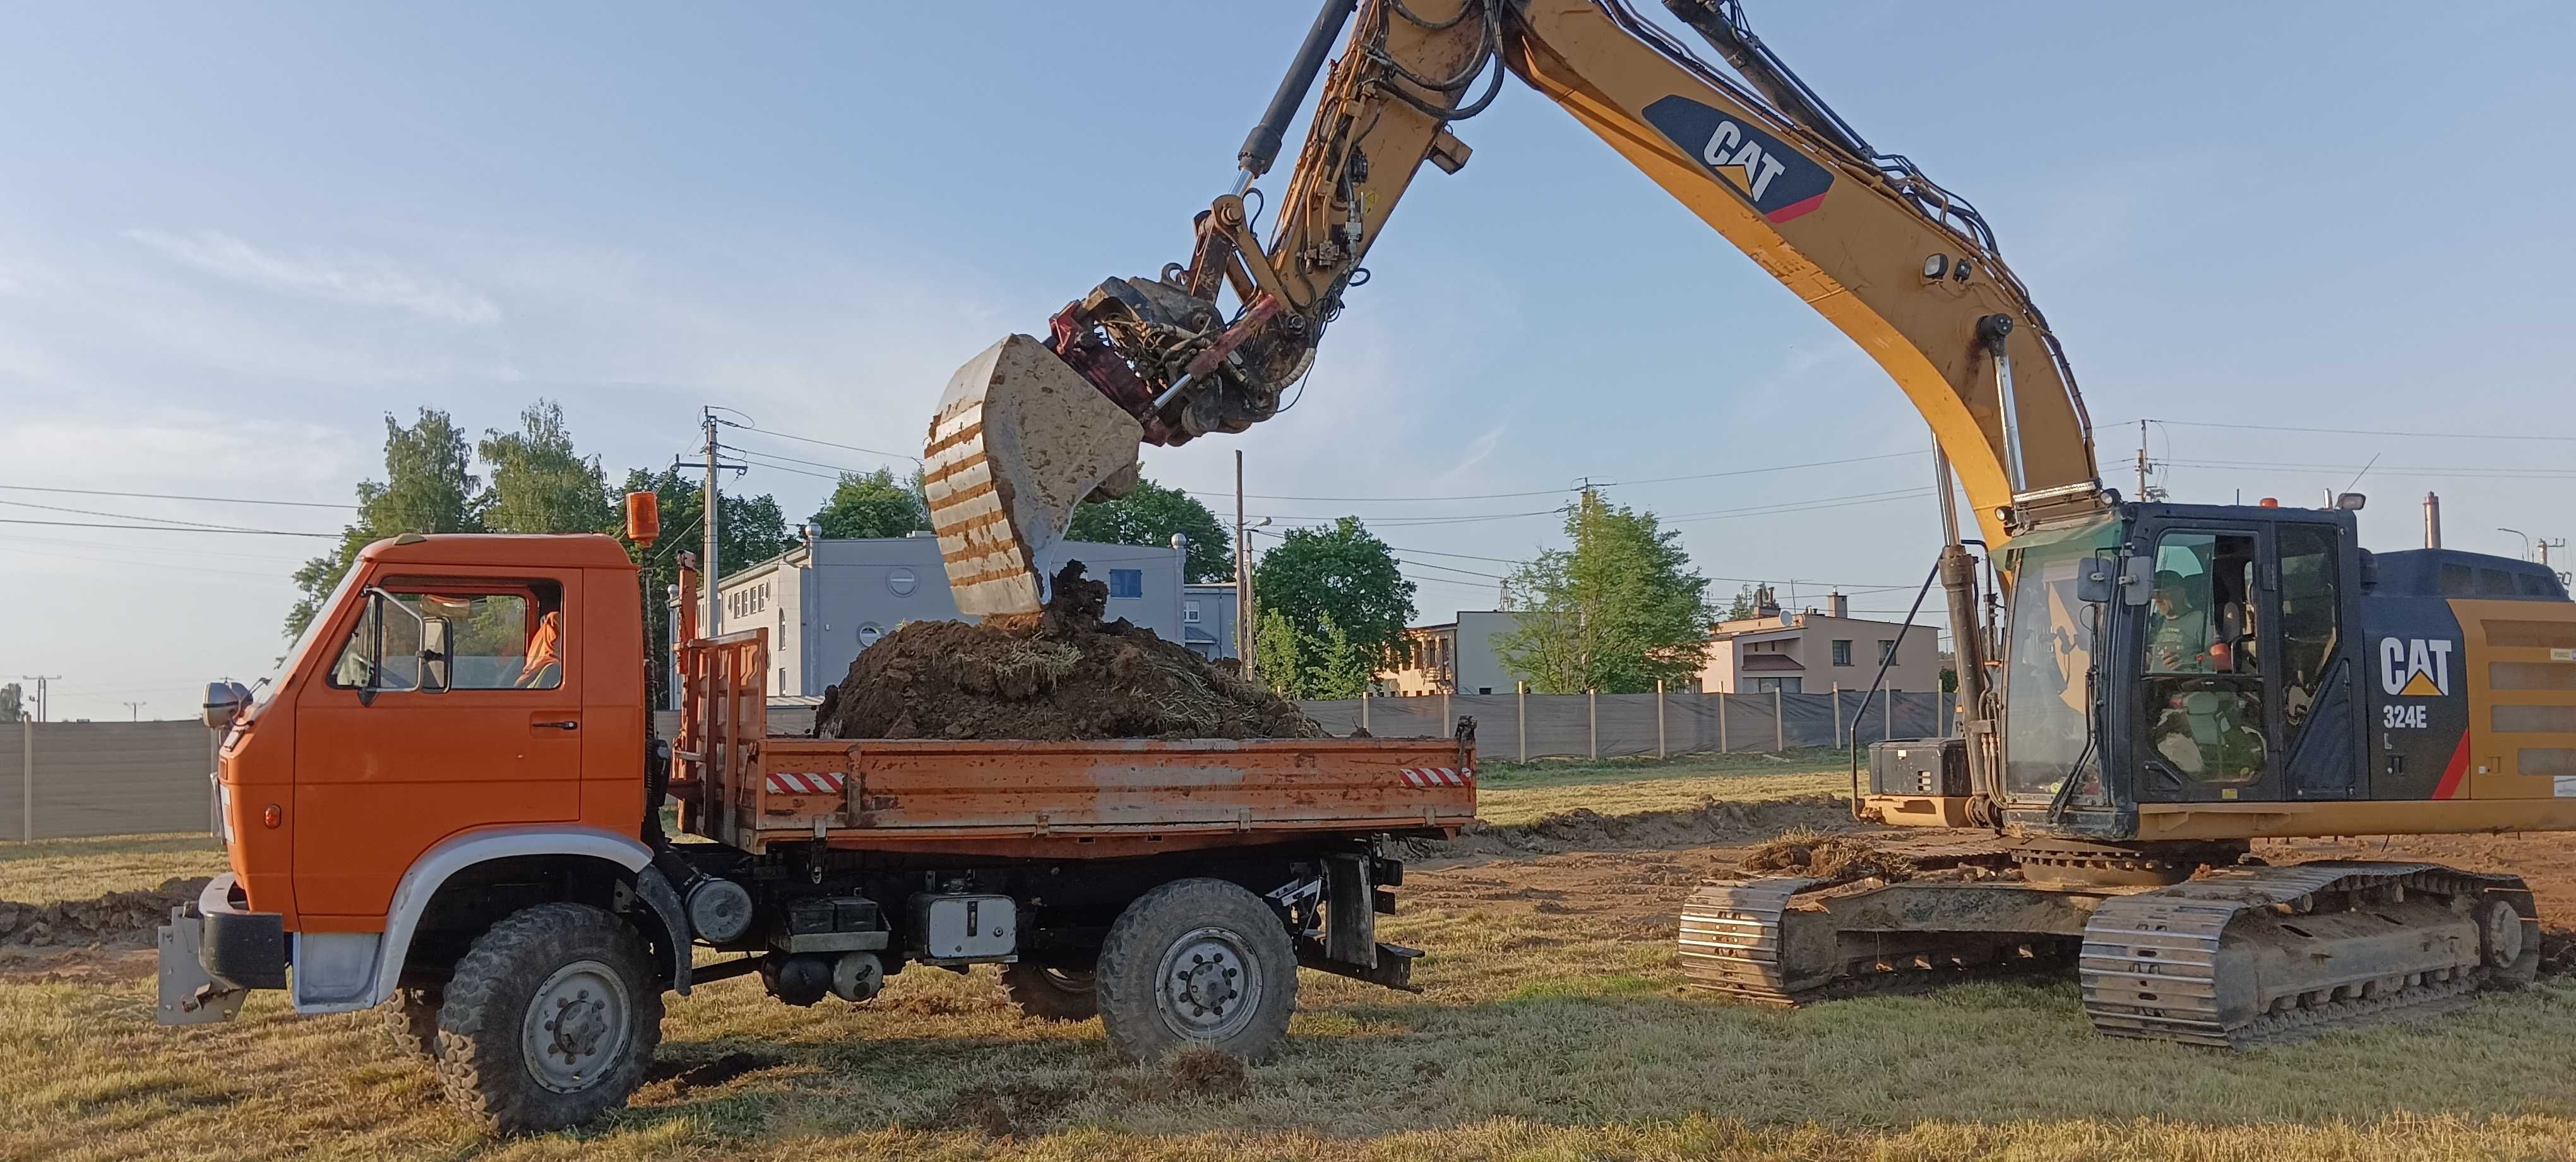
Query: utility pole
[[2546, 544], [1242, 578], [41, 701], [710, 498], [134, 711]]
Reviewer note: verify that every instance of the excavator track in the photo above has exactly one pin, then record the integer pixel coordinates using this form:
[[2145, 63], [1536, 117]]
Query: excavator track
[[2251, 955], [1735, 940]]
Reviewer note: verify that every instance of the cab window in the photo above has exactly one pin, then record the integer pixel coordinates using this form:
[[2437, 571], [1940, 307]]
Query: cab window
[[2204, 687], [501, 636]]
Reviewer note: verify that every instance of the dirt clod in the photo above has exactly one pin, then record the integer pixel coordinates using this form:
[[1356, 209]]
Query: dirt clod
[[1807, 852], [1006, 1110], [1207, 1073], [117, 919], [1061, 675]]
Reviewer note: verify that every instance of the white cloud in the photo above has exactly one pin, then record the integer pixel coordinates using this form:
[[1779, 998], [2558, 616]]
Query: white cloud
[[355, 279]]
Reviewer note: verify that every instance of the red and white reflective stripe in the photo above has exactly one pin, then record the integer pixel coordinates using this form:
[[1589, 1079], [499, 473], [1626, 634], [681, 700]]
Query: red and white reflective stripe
[[1439, 777], [793, 783]]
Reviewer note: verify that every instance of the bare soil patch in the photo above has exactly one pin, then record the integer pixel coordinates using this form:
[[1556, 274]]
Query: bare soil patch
[[1711, 820], [1060, 676]]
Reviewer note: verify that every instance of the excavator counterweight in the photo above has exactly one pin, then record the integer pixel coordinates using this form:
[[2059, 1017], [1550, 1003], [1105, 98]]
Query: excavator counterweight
[[1018, 442]]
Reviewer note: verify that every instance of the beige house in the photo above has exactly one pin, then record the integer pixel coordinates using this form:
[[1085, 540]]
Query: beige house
[[1814, 652], [1453, 657]]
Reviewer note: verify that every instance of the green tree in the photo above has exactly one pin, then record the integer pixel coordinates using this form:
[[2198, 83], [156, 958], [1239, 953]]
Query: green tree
[[1748, 602], [1342, 669], [1279, 656], [539, 484], [429, 487], [13, 702], [1616, 613], [750, 529], [1343, 574], [1149, 516], [874, 504]]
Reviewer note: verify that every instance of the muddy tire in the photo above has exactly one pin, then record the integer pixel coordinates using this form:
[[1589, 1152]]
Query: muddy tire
[[410, 1020], [1196, 964], [1050, 992], [549, 1021]]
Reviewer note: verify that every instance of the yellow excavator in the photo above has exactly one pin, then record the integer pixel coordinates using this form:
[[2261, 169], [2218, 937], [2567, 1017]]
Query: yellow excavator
[[2162, 684]]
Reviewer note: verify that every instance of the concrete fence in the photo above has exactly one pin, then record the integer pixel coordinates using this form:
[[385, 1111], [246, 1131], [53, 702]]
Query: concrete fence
[[105, 778], [1522, 727]]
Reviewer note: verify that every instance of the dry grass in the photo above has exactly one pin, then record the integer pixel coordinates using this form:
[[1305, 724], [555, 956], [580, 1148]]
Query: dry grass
[[78, 869], [1507, 795], [1544, 1032]]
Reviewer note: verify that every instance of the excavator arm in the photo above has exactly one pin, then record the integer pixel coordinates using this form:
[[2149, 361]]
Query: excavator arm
[[1034, 426]]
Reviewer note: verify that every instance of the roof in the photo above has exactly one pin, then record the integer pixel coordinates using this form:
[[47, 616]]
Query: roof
[[1756, 663], [502, 550]]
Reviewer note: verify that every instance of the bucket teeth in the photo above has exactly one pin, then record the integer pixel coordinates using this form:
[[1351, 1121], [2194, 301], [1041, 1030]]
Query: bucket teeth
[[1019, 440]]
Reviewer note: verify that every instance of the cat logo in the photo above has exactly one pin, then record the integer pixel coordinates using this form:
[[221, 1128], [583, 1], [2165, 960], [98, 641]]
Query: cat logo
[[1780, 182], [2415, 667]]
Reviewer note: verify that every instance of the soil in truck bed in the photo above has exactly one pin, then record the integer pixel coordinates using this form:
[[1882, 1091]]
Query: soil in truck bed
[[1057, 676]]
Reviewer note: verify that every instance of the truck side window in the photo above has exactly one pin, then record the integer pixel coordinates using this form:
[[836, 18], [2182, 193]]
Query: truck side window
[[501, 635]]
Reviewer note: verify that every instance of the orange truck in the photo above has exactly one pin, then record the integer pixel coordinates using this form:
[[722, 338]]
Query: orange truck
[[446, 803]]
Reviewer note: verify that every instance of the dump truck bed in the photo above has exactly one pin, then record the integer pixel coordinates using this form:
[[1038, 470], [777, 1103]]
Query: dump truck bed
[[1054, 800]]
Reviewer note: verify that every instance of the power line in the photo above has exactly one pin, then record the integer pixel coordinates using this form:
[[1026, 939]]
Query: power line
[[1567, 488], [83, 524], [825, 443], [174, 496], [167, 520], [193, 568], [2363, 431]]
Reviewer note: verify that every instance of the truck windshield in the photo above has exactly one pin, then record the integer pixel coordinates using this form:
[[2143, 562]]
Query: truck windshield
[[304, 641], [2048, 657]]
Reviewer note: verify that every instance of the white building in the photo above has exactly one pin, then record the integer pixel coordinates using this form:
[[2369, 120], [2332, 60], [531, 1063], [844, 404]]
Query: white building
[[826, 600], [1815, 652]]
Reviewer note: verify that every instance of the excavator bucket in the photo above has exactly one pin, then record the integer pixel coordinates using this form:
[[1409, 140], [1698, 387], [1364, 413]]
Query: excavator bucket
[[1019, 440]]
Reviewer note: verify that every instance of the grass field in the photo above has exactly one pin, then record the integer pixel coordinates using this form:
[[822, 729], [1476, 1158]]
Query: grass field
[[78, 869], [1552, 1026], [1507, 794]]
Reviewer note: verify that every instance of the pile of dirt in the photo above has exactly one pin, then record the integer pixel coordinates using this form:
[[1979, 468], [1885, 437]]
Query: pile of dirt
[[1711, 821], [1805, 851], [124, 919], [1059, 675]]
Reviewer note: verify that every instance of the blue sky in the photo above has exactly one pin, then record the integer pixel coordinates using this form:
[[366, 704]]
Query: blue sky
[[231, 238]]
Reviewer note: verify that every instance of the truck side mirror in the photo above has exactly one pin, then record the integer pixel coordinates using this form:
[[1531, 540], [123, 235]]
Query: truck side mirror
[[434, 654], [224, 703], [2093, 583]]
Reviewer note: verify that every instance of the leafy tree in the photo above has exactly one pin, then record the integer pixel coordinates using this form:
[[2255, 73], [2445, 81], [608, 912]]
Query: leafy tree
[[1748, 602], [1149, 516], [1620, 611], [874, 504], [13, 703], [1279, 655], [429, 487], [749, 530], [1341, 668], [1343, 575], [539, 484]]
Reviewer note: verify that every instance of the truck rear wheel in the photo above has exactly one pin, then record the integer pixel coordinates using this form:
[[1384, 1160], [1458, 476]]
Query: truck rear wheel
[[1197, 963], [411, 1020], [549, 1020], [1052, 992]]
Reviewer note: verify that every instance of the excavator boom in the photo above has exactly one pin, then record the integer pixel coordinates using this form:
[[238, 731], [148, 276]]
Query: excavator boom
[[1899, 264]]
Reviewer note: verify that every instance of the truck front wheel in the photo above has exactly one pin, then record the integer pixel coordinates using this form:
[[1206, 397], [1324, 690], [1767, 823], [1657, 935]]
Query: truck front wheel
[[549, 1020], [1051, 992], [411, 1020], [1197, 963]]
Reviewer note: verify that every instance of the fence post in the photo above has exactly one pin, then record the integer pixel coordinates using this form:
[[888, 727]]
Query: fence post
[[1592, 719], [1364, 708], [1448, 725], [1721, 722], [1887, 717], [1521, 715], [1659, 718], [26, 777], [1838, 716], [1779, 724]]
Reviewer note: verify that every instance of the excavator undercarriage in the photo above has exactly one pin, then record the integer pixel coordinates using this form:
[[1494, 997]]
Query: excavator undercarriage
[[2237, 955]]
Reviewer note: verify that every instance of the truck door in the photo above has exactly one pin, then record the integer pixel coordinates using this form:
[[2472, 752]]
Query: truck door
[[396, 751]]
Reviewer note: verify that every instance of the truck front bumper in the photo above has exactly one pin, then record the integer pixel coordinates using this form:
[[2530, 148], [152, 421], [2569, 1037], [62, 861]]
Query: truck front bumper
[[213, 952]]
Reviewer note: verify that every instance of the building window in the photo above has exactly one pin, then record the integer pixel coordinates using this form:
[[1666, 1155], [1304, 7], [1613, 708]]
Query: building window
[[1126, 583], [782, 681], [1783, 685], [1886, 650], [1190, 612], [1842, 651]]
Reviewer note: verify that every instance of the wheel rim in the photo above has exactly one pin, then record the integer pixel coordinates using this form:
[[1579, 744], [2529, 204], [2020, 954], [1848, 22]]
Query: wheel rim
[[576, 1026], [1208, 985], [1067, 980]]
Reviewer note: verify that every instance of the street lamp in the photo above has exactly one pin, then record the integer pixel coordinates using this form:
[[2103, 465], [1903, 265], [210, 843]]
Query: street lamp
[[2526, 540]]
